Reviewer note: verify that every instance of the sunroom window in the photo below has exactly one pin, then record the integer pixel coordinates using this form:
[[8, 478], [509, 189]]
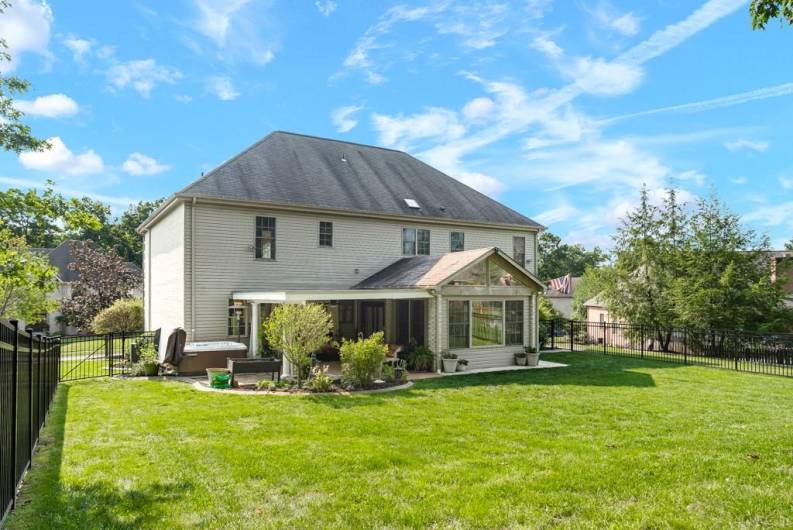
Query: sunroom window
[[238, 319], [487, 323]]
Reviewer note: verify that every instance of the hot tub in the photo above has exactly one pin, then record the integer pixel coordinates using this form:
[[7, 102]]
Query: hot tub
[[198, 356]]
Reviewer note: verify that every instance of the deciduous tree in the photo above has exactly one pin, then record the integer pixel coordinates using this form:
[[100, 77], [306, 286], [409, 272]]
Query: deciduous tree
[[26, 279], [557, 259], [764, 10], [103, 278]]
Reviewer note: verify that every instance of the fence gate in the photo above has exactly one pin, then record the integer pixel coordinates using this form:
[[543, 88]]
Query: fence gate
[[90, 356]]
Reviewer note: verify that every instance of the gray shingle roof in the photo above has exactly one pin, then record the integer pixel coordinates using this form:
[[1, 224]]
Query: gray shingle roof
[[294, 169], [61, 257], [421, 271]]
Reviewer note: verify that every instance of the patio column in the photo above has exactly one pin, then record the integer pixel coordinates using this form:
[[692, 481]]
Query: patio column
[[535, 321], [439, 330], [253, 342]]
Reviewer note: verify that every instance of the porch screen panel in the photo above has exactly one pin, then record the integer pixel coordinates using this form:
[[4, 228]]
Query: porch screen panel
[[487, 323], [514, 322], [458, 324], [417, 321], [403, 321]]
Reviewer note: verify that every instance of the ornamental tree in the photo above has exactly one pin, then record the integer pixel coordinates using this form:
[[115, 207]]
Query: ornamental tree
[[103, 278], [297, 330], [26, 278]]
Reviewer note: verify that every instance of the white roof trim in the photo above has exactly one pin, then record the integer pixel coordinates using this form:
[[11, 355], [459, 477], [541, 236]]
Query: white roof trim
[[300, 296]]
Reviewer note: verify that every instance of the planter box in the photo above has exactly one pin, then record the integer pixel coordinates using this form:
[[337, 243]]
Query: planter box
[[533, 359]]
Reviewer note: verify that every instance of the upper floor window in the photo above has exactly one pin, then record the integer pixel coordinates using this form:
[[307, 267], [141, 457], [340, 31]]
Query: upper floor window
[[415, 241], [519, 250], [265, 238], [457, 241], [325, 234]]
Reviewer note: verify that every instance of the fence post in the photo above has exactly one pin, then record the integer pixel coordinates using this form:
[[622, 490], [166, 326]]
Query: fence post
[[553, 332], [14, 384], [604, 338], [685, 345], [30, 396], [39, 411], [572, 323], [641, 339]]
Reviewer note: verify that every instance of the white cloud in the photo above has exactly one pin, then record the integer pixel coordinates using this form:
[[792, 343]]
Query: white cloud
[[627, 24], [25, 26], [343, 119], [479, 181], [767, 215], [238, 29], [79, 47], [479, 110], [560, 213], [786, 183], [436, 123], [139, 164], [547, 47], [142, 75], [59, 159], [691, 175], [602, 78], [784, 89], [51, 106], [739, 180], [183, 98], [479, 25], [741, 143], [121, 202], [325, 7], [222, 87]]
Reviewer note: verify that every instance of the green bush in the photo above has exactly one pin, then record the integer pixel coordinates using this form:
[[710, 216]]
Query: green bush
[[146, 355], [124, 315], [320, 381], [420, 359], [362, 360]]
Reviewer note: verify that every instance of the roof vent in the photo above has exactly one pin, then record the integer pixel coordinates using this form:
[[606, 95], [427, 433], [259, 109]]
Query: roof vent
[[343, 158], [412, 203]]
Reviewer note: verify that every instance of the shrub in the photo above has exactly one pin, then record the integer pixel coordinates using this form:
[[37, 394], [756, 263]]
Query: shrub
[[420, 359], [320, 381], [446, 354], [297, 330], [124, 315], [146, 355], [389, 373], [362, 360]]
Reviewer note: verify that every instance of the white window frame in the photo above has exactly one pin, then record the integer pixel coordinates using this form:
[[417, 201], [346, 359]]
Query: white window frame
[[451, 238], [319, 234], [245, 318], [416, 241]]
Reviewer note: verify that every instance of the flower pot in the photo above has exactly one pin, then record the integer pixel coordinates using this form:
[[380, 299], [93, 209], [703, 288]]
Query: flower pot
[[532, 359], [150, 369], [520, 359], [462, 367], [449, 365]]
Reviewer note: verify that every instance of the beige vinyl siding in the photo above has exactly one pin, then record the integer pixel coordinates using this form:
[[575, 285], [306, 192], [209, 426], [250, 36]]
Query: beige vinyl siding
[[225, 262], [164, 266]]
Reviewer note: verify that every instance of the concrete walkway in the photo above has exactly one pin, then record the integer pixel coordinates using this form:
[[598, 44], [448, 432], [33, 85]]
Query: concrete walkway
[[542, 364]]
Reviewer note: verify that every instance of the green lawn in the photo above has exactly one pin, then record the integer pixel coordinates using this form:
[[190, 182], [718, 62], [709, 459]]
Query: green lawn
[[606, 442]]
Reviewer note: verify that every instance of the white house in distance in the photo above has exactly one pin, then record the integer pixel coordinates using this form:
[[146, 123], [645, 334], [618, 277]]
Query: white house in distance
[[384, 241]]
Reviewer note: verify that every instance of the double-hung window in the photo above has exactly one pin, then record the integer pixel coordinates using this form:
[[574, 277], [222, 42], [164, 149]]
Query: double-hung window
[[415, 241], [457, 241], [265, 238], [238, 319], [325, 234]]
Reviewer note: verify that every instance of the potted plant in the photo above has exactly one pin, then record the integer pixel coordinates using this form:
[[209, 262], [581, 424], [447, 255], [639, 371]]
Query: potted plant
[[449, 361], [147, 360], [520, 358], [462, 365], [532, 356]]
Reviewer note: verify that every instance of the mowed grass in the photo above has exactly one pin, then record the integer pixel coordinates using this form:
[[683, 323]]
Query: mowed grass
[[605, 442]]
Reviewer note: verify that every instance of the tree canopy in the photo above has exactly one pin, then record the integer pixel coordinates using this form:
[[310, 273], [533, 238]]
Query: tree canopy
[[762, 11], [26, 279], [557, 259], [701, 269]]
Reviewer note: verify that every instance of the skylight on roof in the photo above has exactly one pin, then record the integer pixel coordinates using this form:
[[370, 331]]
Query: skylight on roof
[[412, 203]]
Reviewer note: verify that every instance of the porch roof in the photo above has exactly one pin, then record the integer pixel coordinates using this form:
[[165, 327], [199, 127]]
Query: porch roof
[[298, 296], [432, 271]]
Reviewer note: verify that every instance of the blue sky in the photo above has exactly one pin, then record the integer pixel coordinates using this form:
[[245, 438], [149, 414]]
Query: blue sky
[[560, 109]]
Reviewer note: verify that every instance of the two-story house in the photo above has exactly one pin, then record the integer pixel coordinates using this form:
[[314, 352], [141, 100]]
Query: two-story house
[[384, 241]]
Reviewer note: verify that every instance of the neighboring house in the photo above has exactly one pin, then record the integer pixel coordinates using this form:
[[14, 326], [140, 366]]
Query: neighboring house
[[596, 310], [384, 241], [561, 301], [61, 257]]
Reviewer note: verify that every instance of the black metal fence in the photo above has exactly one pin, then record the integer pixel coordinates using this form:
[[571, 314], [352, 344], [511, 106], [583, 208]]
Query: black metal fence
[[763, 353], [91, 356], [28, 379]]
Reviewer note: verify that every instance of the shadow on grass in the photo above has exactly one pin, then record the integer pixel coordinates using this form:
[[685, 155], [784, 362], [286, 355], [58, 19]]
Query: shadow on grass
[[584, 369], [45, 502]]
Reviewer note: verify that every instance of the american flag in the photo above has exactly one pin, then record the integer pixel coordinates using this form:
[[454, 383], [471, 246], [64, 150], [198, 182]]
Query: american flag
[[561, 284]]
